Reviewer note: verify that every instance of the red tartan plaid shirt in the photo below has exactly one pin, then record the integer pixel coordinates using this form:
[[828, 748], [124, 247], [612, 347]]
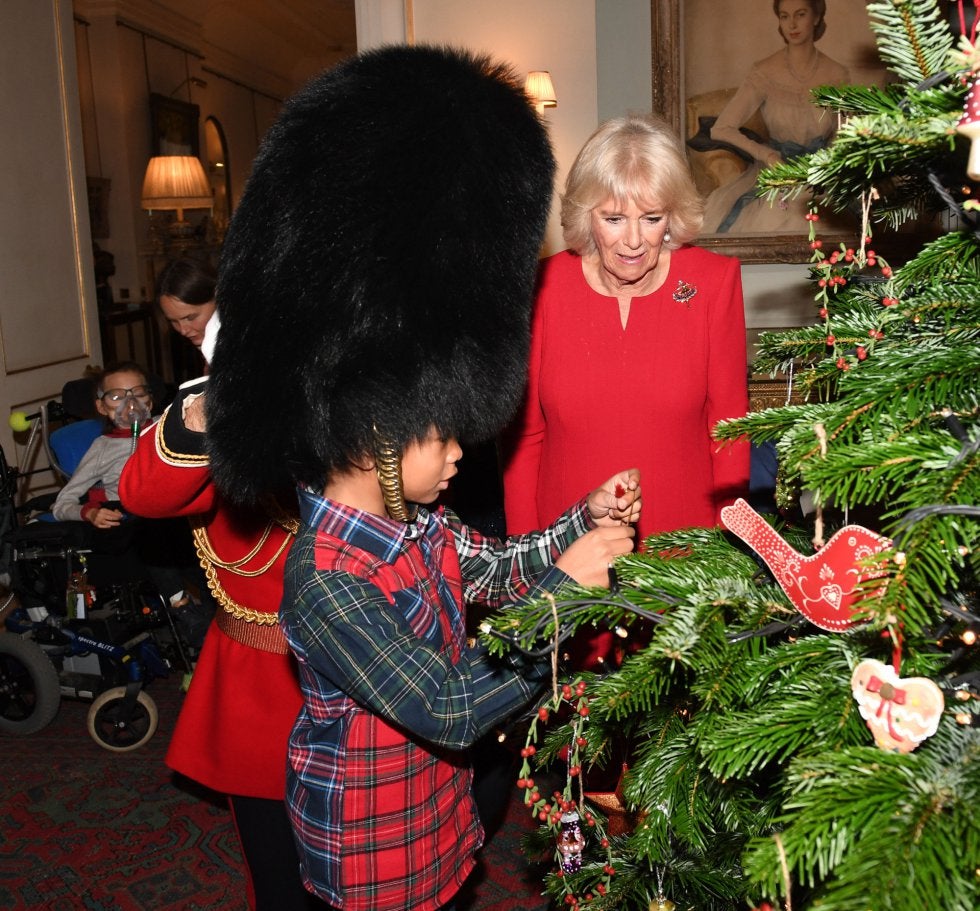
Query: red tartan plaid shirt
[[379, 780]]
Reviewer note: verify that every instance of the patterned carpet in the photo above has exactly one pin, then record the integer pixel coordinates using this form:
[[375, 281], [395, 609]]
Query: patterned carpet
[[84, 828]]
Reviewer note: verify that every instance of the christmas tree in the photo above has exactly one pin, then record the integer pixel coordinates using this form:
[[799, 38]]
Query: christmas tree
[[798, 722]]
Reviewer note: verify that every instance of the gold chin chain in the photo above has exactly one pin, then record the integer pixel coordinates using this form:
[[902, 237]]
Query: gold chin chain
[[390, 478]]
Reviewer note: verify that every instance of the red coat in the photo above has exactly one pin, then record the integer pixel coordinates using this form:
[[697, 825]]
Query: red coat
[[601, 398], [234, 725]]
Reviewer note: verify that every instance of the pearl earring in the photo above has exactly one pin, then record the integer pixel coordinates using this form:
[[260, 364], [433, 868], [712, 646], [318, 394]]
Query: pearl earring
[[666, 237]]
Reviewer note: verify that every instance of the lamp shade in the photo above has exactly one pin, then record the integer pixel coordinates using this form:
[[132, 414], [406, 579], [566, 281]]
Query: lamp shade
[[539, 88], [176, 182]]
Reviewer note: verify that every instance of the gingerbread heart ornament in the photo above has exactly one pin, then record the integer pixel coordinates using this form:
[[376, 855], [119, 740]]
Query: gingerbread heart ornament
[[900, 713], [822, 587]]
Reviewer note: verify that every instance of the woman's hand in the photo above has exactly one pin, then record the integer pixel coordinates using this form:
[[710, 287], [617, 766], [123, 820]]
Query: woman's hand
[[193, 414], [618, 501]]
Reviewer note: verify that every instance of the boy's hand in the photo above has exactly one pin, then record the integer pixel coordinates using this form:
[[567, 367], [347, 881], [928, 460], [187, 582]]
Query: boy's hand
[[587, 559], [618, 501], [104, 518]]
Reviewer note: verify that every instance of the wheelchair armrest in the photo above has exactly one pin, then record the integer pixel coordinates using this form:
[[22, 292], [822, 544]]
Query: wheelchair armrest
[[66, 534], [41, 503]]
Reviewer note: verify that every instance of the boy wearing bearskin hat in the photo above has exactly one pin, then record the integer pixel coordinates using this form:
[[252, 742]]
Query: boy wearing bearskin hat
[[375, 295]]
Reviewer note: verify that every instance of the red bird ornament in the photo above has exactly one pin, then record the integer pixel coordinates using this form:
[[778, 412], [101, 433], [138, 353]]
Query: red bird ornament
[[822, 587]]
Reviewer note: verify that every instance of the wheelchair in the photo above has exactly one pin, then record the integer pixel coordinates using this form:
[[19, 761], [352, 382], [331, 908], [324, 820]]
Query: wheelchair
[[76, 623]]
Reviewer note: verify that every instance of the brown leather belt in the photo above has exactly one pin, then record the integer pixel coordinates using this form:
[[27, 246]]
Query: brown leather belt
[[265, 637]]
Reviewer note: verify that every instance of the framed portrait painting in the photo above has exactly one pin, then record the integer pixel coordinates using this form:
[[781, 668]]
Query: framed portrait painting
[[174, 126], [714, 57]]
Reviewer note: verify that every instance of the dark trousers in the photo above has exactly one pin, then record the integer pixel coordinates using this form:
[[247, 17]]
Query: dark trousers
[[271, 859], [270, 856], [495, 769]]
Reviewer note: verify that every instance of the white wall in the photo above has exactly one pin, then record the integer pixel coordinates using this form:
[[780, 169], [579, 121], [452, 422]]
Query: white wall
[[623, 57], [776, 296], [553, 35]]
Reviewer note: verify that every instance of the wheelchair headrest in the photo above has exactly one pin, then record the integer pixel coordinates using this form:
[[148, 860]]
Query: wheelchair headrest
[[78, 398]]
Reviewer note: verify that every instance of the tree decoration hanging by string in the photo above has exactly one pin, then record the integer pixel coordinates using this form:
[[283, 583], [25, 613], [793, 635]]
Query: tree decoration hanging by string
[[571, 822], [967, 55], [824, 586], [900, 713], [571, 841], [661, 903], [969, 126]]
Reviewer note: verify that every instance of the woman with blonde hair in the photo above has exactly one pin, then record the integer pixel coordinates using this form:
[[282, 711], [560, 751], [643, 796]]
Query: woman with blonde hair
[[637, 343]]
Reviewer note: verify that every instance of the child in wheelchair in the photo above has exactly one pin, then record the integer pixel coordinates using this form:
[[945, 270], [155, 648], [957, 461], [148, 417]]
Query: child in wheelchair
[[124, 399], [119, 552]]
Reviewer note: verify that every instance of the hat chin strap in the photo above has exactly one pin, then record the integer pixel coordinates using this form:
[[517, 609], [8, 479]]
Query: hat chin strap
[[389, 469]]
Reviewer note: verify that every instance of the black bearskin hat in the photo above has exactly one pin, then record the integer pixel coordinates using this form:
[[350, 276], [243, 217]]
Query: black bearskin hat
[[377, 276]]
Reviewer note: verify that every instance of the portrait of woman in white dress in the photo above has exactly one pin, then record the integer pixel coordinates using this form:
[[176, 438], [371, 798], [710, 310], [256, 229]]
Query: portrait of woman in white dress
[[778, 87]]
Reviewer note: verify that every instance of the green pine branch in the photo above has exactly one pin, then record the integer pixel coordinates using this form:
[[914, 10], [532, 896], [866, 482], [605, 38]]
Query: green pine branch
[[914, 39], [860, 819], [954, 256]]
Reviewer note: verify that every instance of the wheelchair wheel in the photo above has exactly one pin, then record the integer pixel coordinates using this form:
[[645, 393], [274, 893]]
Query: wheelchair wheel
[[110, 732], [29, 689]]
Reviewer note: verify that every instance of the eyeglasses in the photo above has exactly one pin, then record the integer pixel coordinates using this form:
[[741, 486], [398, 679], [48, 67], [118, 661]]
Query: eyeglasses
[[118, 395]]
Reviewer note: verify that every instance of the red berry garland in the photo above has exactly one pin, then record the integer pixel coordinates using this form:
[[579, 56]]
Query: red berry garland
[[568, 819], [832, 273]]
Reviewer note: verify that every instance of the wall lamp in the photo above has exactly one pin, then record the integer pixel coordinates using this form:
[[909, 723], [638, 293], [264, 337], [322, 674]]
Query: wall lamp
[[540, 89], [195, 81]]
